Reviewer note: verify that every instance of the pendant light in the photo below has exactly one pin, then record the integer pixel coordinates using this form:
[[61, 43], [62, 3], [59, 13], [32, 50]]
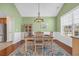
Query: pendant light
[[39, 19]]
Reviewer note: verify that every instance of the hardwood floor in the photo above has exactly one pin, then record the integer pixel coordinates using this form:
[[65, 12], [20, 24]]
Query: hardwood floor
[[66, 47], [7, 51], [11, 48]]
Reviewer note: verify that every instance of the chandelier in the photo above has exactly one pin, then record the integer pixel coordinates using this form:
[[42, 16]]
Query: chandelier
[[39, 18]]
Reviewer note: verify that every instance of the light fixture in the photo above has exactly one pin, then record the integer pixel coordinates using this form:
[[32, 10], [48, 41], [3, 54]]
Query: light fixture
[[39, 18]]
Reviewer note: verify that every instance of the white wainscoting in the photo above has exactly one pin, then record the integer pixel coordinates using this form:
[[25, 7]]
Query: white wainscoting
[[61, 38], [23, 34], [10, 36], [17, 37]]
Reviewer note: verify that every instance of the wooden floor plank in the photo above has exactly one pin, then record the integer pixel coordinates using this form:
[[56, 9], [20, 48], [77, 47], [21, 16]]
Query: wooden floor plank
[[11, 48], [64, 46]]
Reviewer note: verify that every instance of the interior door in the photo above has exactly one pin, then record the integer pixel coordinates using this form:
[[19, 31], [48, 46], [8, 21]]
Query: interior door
[[3, 30]]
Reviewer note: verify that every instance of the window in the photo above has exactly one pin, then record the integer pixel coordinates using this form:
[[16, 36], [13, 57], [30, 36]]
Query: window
[[70, 23], [76, 22], [66, 24]]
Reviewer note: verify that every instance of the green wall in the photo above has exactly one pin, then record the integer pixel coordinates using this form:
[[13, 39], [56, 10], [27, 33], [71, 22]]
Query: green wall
[[36, 26], [53, 22], [10, 10], [66, 7]]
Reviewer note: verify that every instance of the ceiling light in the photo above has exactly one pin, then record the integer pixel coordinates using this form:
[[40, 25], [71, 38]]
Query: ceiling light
[[39, 18]]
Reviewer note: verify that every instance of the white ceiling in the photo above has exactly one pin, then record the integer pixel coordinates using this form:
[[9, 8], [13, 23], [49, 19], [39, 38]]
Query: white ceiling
[[31, 9]]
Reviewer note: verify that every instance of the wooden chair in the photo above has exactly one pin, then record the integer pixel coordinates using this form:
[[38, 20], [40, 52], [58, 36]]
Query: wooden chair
[[38, 41]]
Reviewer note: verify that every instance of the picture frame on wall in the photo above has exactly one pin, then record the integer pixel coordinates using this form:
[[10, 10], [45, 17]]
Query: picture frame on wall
[[44, 26]]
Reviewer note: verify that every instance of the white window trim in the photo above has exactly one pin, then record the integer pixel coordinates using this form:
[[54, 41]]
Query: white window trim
[[71, 11]]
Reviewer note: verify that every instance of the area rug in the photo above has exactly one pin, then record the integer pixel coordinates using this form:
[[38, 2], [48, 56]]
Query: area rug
[[47, 51]]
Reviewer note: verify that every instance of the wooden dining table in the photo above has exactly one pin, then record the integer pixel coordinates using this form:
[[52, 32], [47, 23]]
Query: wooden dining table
[[47, 40]]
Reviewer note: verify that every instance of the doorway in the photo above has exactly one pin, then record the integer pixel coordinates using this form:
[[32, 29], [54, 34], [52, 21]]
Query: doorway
[[3, 29]]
